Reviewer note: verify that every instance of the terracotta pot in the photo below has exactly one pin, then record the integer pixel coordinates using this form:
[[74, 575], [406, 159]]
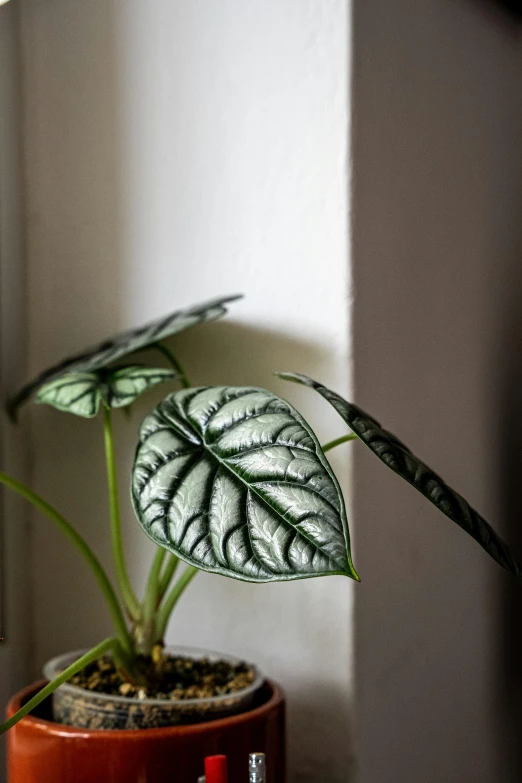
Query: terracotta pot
[[40, 751]]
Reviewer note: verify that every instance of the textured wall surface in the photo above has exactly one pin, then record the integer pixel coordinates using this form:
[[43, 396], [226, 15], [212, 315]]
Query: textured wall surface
[[177, 151], [436, 333]]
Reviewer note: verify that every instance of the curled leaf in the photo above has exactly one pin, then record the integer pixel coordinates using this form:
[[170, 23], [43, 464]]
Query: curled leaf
[[402, 461]]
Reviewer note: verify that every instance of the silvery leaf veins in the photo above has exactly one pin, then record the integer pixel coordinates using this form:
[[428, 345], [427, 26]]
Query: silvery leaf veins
[[234, 481]]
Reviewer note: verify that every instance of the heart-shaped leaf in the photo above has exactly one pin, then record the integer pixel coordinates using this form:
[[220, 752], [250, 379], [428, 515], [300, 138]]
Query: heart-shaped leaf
[[400, 459], [82, 393], [233, 480], [128, 342]]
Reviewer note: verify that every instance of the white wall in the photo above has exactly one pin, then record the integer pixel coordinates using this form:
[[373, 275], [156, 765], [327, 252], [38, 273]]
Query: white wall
[[176, 151], [436, 329]]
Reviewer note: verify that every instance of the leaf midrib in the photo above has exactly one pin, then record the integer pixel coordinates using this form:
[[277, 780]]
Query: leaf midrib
[[206, 449], [266, 502]]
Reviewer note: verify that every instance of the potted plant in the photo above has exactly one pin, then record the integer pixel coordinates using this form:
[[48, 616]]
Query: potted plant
[[230, 480]]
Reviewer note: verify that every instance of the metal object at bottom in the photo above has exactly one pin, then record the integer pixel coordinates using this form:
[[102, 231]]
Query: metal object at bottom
[[257, 768]]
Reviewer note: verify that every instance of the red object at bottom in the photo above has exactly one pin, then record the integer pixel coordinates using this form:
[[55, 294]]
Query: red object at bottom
[[40, 751], [216, 769]]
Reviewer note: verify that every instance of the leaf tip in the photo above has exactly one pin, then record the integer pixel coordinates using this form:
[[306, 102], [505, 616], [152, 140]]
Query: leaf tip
[[294, 377]]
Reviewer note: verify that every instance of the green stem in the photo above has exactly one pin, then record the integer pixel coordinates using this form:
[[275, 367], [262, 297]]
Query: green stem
[[74, 668], [169, 356], [168, 573], [82, 546], [157, 585], [171, 600], [337, 442], [153, 585], [129, 598]]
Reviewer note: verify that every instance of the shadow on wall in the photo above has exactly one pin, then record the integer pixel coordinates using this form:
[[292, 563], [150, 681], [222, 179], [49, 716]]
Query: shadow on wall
[[509, 10], [74, 283], [329, 725], [437, 248], [217, 353], [229, 352], [260, 622], [510, 600]]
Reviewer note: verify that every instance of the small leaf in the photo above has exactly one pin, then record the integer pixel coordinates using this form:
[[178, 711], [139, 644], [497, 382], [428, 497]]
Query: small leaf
[[233, 480], [82, 393], [114, 349], [77, 393], [124, 384], [400, 459]]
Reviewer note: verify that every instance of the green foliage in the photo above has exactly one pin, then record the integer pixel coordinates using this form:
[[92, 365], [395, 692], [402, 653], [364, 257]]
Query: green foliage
[[400, 459], [233, 480], [229, 479], [82, 393], [126, 343]]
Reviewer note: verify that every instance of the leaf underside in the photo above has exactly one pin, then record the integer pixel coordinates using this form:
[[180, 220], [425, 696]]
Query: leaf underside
[[233, 481], [82, 393], [128, 342], [400, 459]]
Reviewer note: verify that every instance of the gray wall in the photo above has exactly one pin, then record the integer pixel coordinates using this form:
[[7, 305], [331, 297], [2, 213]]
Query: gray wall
[[437, 272], [15, 623]]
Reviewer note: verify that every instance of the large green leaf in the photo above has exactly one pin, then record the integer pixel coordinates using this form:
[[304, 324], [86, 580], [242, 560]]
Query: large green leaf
[[82, 393], [233, 480], [400, 459], [128, 342]]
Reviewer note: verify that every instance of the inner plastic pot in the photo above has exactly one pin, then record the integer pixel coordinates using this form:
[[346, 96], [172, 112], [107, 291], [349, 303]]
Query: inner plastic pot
[[74, 706]]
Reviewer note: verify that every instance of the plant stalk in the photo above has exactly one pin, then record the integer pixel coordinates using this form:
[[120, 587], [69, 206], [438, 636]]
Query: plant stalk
[[168, 573], [143, 631], [84, 549], [129, 597], [74, 668], [176, 365], [157, 583], [338, 441], [171, 600], [152, 590]]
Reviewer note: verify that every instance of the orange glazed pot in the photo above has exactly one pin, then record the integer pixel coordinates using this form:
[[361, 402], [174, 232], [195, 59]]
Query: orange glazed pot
[[40, 751]]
